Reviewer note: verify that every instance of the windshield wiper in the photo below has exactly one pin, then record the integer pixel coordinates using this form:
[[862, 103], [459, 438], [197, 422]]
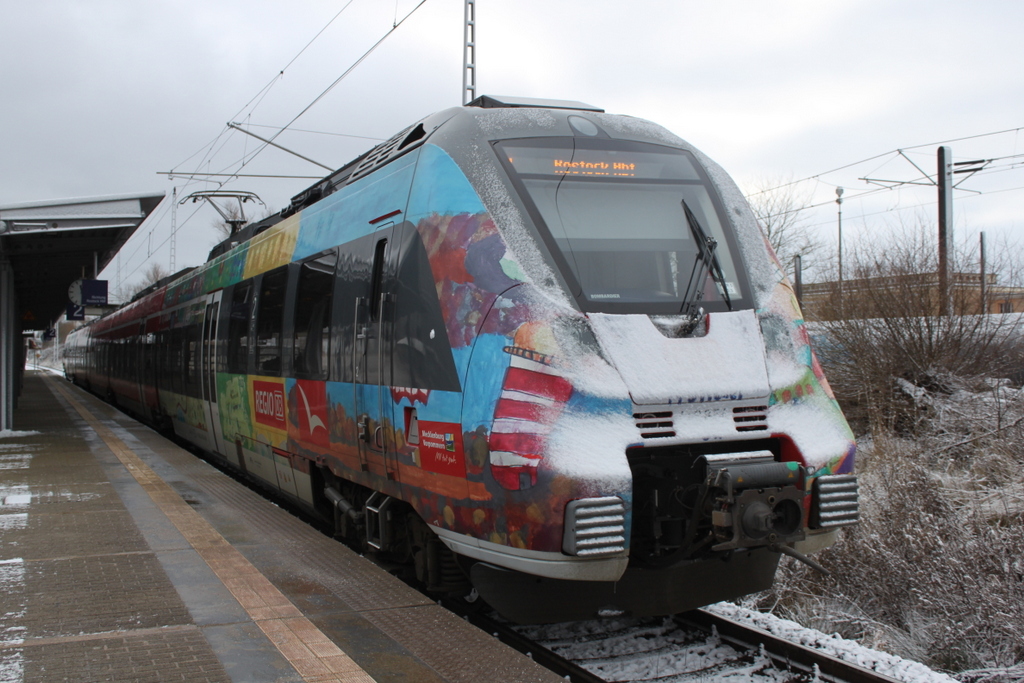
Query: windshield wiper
[[706, 262]]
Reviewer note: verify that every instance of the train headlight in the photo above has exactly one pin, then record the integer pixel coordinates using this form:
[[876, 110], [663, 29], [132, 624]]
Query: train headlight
[[834, 501], [595, 527]]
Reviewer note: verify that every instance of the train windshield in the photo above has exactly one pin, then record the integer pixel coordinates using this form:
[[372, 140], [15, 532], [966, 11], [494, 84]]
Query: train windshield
[[629, 223]]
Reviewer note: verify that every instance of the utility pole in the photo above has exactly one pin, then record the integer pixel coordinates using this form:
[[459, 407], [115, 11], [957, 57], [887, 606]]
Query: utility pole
[[944, 180], [469, 54], [839, 203], [174, 225], [984, 279], [798, 280]]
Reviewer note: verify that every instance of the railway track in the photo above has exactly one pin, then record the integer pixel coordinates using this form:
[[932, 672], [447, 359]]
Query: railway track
[[694, 646]]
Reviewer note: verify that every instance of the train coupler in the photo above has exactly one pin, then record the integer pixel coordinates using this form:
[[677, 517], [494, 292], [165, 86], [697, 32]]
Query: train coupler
[[755, 500]]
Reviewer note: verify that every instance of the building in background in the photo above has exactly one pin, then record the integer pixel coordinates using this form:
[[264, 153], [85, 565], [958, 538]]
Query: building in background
[[908, 294]]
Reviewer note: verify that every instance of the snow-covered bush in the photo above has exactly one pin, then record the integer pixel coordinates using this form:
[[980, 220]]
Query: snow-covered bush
[[882, 335], [935, 570]]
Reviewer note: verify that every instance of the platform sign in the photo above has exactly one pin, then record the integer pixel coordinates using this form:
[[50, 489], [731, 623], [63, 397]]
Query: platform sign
[[94, 292], [75, 312], [88, 292]]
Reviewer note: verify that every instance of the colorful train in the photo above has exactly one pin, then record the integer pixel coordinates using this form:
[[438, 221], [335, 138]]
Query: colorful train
[[525, 346]]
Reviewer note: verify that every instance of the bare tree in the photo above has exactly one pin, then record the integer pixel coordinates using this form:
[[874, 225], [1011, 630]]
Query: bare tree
[[234, 219], [938, 464], [883, 338], [154, 272], [779, 204]]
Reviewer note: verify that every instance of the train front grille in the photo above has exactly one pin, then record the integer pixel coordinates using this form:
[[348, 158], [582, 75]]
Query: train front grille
[[750, 418], [655, 425]]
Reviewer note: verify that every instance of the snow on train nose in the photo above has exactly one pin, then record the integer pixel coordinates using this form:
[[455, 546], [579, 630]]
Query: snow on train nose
[[532, 397]]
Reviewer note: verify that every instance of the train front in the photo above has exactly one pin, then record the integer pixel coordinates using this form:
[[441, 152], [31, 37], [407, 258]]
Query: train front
[[642, 404]]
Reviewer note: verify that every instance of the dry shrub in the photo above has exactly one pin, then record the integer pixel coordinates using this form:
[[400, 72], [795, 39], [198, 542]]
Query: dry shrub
[[935, 570], [882, 337]]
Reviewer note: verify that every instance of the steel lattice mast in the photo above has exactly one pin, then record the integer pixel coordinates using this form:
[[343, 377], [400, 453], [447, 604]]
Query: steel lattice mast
[[469, 54]]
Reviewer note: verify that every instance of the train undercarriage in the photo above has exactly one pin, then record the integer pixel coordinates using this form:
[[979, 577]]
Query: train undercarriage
[[708, 522]]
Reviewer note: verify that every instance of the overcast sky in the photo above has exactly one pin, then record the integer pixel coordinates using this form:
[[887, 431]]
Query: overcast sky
[[100, 96]]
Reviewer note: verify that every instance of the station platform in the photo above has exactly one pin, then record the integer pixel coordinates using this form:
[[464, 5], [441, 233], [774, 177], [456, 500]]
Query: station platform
[[126, 558]]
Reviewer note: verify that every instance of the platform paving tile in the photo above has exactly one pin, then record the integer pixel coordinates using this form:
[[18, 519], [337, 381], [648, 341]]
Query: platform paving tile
[[91, 595], [207, 542], [83, 596], [48, 499], [459, 654], [41, 536], [148, 657], [371, 615]]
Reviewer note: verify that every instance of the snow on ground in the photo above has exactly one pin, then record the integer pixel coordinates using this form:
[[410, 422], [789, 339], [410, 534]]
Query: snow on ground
[[644, 649], [11, 433], [840, 648]]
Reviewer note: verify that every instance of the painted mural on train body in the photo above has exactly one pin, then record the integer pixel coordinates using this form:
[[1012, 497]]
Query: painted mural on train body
[[483, 448], [499, 402]]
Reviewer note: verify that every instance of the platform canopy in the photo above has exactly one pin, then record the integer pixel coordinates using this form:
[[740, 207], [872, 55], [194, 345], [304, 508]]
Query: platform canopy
[[50, 244]]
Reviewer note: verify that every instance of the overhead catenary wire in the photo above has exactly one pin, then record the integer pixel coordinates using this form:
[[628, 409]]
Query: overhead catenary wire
[[925, 179], [338, 80], [248, 158], [818, 176], [885, 188], [213, 147], [902, 208], [171, 175], [167, 239], [318, 132], [265, 90]]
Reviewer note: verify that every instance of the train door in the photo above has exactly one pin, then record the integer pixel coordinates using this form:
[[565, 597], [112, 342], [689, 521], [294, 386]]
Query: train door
[[371, 362], [208, 371], [137, 367], [150, 368]]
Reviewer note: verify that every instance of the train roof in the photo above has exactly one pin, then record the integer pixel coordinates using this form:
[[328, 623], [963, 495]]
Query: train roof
[[504, 102], [506, 116]]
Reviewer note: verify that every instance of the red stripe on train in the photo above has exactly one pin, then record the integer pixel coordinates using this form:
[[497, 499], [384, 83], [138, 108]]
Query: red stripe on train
[[526, 445], [538, 384], [522, 410]]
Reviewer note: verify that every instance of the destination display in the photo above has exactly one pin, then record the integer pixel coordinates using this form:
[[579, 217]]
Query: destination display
[[605, 163], [619, 168]]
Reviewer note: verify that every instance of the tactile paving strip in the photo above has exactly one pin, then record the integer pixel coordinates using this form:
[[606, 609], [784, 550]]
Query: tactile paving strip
[[314, 656]]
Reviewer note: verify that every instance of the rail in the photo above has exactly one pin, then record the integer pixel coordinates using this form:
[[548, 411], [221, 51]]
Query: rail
[[804, 663], [786, 654]]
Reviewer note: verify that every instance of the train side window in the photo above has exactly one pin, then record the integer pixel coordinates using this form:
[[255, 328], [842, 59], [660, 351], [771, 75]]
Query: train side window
[[312, 328], [160, 352], [191, 348], [377, 281], [269, 320], [175, 356], [238, 328]]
